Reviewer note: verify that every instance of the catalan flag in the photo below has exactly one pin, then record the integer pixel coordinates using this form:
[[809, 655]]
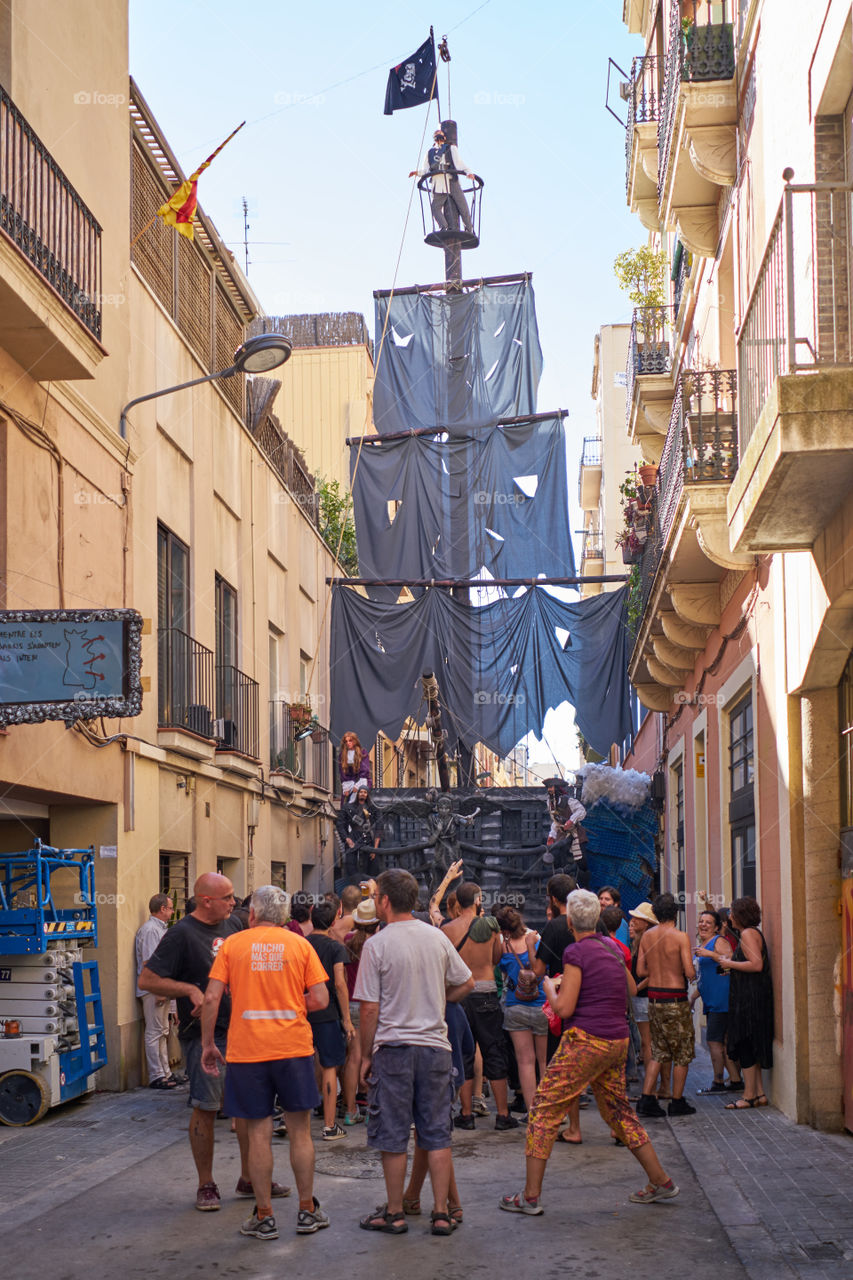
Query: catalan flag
[[179, 211]]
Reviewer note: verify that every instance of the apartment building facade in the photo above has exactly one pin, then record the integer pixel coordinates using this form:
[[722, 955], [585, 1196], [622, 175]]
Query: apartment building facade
[[739, 162], [196, 510]]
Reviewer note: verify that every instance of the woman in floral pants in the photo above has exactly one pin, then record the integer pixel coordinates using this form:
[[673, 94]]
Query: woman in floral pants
[[592, 1001]]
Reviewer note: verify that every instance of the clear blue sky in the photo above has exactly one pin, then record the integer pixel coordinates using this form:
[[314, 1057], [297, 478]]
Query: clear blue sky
[[325, 172]]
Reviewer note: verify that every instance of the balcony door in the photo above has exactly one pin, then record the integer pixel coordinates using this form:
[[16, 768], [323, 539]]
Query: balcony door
[[227, 682], [174, 695], [742, 798]]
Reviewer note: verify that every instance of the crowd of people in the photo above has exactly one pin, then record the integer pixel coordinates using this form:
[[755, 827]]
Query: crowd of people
[[374, 1007]]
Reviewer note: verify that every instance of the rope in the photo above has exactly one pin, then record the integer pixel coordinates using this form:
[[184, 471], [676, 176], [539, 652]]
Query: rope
[[38, 436]]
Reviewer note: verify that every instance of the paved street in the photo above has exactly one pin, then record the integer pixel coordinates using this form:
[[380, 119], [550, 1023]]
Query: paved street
[[105, 1189]]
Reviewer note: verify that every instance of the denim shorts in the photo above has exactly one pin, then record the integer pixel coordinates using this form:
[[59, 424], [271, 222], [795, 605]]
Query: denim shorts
[[640, 1008], [409, 1083], [251, 1088], [525, 1017], [717, 1026], [205, 1091]]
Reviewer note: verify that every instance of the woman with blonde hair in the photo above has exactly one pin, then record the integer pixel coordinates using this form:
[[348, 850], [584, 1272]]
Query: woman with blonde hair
[[353, 765]]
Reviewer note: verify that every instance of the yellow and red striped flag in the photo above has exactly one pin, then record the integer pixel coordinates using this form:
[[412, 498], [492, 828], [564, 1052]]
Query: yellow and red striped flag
[[179, 211]]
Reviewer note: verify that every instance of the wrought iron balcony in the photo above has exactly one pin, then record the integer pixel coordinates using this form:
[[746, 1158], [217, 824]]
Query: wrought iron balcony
[[795, 367], [696, 123], [237, 712], [593, 546], [641, 131], [44, 216], [285, 754], [696, 468], [589, 474], [185, 685], [648, 377]]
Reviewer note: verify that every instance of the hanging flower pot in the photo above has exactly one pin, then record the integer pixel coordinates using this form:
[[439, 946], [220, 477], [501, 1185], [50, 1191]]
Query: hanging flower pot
[[300, 714], [648, 474], [319, 735], [631, 555]]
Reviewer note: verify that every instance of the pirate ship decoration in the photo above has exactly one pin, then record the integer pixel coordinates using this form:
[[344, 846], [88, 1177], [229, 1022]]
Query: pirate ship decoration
[[461, 511]]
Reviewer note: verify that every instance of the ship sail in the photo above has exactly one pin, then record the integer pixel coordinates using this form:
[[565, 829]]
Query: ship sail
[[456, 359], [500, 666], [489, 503]]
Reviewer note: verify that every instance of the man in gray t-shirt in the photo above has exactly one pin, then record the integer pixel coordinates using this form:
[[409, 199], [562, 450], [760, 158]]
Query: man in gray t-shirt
[[408, 971]]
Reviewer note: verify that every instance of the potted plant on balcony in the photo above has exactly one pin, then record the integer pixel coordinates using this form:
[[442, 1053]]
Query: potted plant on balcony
[[300, 713], [648, 474], [632, 547]]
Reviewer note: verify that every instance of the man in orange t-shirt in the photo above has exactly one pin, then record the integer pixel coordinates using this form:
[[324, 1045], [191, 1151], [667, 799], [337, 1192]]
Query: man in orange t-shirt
[[274, 978]]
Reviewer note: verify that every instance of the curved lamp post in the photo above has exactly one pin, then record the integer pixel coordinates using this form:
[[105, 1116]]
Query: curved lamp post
[[260, 354]]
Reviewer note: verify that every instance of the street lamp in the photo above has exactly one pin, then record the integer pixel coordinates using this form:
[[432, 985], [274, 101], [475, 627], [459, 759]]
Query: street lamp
[[260, 354]]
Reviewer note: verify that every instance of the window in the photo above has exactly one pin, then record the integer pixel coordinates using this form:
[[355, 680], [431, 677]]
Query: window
[[173, 581], [742, 798], [278, 874], [226, 624], [174, 880]]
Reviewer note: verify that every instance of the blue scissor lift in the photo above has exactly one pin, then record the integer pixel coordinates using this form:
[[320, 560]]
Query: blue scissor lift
[[51, 1016]]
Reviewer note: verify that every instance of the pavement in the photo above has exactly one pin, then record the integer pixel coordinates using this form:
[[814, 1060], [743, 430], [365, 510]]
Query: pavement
[[105, 1188]]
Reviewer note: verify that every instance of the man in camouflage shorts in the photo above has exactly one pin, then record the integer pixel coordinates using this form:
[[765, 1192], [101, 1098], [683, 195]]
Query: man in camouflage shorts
[[665, 957]]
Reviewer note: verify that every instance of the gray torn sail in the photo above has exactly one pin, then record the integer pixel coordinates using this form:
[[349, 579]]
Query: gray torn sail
[[456, 359], [491, 501]]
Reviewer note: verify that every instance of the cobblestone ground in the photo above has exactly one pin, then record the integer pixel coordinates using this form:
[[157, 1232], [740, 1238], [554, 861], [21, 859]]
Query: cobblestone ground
[[105, 1189]]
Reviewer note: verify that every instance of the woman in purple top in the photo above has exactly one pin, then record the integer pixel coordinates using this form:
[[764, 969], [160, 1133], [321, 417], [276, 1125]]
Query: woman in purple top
[[592, 1001]]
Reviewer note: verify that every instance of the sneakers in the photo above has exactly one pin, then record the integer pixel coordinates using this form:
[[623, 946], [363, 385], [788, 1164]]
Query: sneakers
[[163, 1082], [718, 1086], [520, 1204], [648, 1108], [463, 1122], [207, 1197], [680, 1107], [650, 1194], [260, 1228], [478, 1106], [355, 1118], [280, 1129], [245, 1188], [310, 1220], [334, 1132], [517, 1104], [506, 1122]]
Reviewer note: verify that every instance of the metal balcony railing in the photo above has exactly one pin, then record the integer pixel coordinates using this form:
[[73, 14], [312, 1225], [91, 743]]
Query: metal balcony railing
[[643, 102], [697, 51], [591, 455], [185, 685], [650, 348], [320, 763], [798, 316], [593, 546], [701, 447], [284, 752], [237, 711], [44, 216], [681, 273]]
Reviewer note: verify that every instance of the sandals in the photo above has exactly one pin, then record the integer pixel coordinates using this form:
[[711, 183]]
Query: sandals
[[393, 1224], [743, 1104], [412, 1206], [571, 1142], [442, 1222], [455, 1211]]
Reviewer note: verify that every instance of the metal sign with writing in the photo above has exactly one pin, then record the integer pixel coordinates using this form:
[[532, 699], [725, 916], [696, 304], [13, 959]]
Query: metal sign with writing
[[69, 664]]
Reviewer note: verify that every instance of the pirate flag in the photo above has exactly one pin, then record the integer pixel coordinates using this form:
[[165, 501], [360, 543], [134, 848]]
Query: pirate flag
[[413, 81]]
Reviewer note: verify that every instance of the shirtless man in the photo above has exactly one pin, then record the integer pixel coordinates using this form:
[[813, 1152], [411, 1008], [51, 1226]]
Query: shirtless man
[[477, 938], [665, 958]]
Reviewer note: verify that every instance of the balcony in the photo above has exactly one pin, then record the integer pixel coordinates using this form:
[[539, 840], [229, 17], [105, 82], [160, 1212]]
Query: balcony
[[795, 361], [185, 694], [649, 383], [50, 260], [237, 727], [687, 553], [641, 141], [297, 764], [589, 477], [592, 561], [697, 145]]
